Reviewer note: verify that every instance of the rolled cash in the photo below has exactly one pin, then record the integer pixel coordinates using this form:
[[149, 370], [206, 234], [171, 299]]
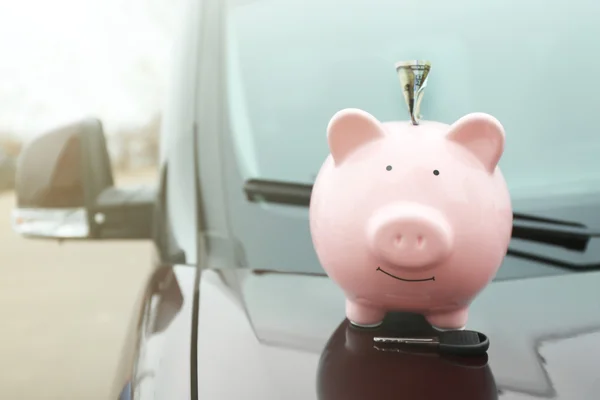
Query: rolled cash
[[413, 78]]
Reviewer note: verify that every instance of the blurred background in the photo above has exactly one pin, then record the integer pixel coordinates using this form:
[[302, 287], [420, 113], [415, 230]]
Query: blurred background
[[65, 307]]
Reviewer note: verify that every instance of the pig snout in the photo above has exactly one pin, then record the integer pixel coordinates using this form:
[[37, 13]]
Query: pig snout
[[409, 235]]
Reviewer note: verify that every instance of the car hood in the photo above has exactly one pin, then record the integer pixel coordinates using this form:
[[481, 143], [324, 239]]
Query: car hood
[[267, 335]]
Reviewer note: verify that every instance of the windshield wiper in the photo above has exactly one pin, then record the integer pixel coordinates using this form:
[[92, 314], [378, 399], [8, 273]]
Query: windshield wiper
[[567, 234], [278, 192], [530, 232]]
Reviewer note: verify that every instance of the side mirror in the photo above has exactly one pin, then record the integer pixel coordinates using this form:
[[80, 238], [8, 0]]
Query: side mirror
[[65, 189]]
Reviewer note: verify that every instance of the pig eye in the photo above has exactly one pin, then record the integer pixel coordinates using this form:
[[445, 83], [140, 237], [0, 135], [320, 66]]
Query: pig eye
[[436, 172], [388, 168]]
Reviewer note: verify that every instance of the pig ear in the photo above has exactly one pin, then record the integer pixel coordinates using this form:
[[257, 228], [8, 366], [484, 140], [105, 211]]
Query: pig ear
[[350, 129], [482, 135]]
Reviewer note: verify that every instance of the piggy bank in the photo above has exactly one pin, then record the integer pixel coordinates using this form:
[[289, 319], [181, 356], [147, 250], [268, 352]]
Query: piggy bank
[[413, 218]]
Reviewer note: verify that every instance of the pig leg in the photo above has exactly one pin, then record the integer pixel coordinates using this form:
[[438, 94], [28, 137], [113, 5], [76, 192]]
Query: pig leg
[[450, 320], [364, 316]]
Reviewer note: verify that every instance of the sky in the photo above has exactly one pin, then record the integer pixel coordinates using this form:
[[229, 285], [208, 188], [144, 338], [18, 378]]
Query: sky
[[63, 60]]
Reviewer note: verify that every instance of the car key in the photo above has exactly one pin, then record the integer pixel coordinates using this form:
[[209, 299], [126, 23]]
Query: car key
[[460, 343]]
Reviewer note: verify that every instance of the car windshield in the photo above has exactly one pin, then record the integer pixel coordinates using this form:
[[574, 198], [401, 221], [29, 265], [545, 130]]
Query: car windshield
[[290, 65], [293, 63]]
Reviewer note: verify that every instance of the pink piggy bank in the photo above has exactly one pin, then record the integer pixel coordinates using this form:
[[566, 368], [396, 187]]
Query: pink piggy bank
[[413, 218]]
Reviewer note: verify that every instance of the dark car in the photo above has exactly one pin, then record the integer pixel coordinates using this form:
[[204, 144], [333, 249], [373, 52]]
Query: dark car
[[238, 306]]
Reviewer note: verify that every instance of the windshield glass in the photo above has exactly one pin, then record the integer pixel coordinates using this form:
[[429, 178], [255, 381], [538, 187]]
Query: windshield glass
[[293, 63]]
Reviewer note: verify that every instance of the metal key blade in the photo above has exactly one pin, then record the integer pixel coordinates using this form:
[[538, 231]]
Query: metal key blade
[[420, 341], [457, 342]]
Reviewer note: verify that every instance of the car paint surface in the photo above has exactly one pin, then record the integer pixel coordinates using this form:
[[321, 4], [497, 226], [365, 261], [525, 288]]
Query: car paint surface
[[544, 337], [544, 334], [156, 362]]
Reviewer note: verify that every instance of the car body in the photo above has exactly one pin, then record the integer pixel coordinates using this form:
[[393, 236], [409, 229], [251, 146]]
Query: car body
[[238, 307]]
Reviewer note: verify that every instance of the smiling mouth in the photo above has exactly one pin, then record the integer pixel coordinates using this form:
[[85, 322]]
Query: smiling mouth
[[406, 280]]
